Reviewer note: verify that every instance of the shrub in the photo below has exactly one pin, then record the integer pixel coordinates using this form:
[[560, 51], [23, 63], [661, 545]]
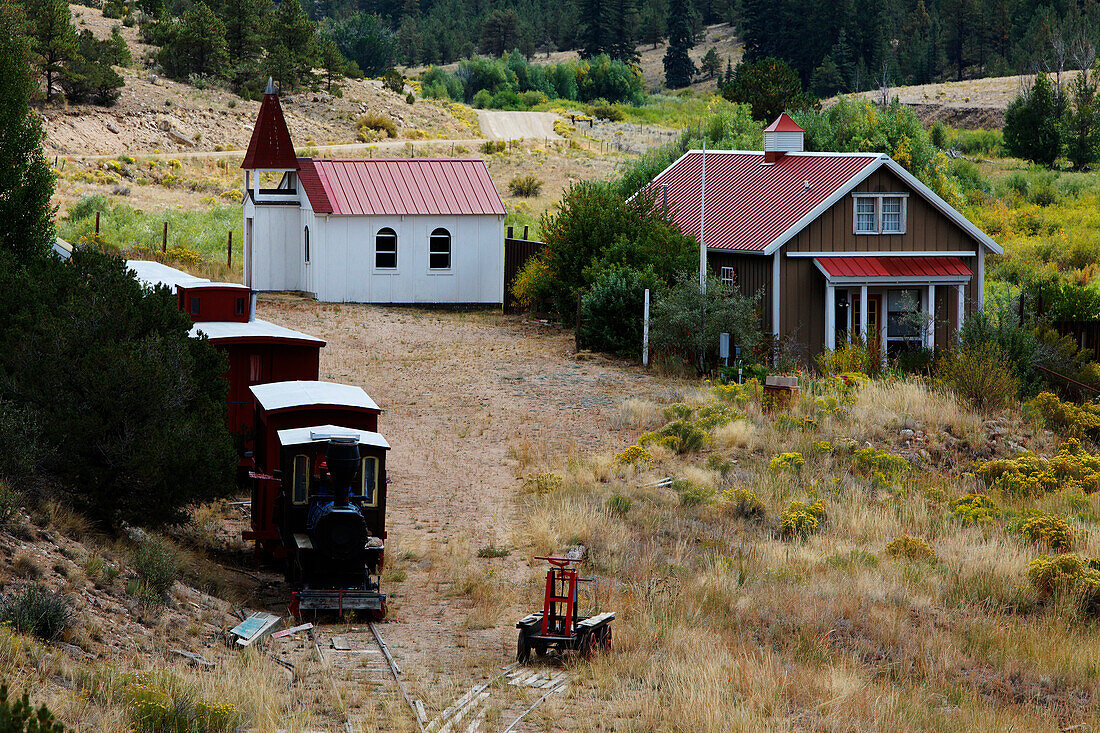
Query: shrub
[[525, 186], [850, 357], [493, 146], [410, 98], [607, 112], [635, 455], [978, 375], [542, 483], [394, 81], [376, 122], [1066, 418], [910, 548], [21, 717], [1051, 530], [159, 701], [532, 286], [612, 311], [1029, 475], [619, 504], [786, 461], [157, 569], [10, 501], [680, 436], [879, 464], [691, 493], [34, 609], [714, 414], [717, 463], [1064, 575], [742, 504], [800, 520], [974, 509]]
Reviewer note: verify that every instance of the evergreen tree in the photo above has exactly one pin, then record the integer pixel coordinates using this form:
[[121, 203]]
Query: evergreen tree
[[827, 79], [89, 76], [196, 45], [365, 40], [770, 86], [53, 37], [1031, 124], [500, 32], [711, 63], [1082, 129], [619, 30], [333, 63], [244, 22], [679, 68], [591, 15], [652, 24], [291, 43], [26, 182]]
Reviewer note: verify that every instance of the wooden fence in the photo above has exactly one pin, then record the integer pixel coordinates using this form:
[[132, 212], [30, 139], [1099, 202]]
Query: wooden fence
[[1085, 333], [516, 254]]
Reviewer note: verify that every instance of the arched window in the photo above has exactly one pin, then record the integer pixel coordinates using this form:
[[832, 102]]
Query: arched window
[[385, 249], [307, 244], [439, 250]]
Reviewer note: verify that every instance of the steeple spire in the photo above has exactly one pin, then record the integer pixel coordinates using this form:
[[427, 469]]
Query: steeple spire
[[270, 147]]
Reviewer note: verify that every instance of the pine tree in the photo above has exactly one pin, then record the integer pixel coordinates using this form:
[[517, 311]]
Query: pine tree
[[244, 23], [1031, 124], [591, 15], [619, 28], [26, 182], [53, 37], [1082, 129], [197, 45], [711, 63], [291, 43], [679, 68]]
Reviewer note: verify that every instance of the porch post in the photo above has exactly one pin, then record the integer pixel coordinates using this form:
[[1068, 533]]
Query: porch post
[[830, 316], [863, 313], [960, 310], [930, 328], [979, 287], [775, 294]]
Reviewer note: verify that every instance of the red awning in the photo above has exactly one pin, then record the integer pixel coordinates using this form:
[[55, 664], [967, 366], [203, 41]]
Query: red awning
[[899, 269]]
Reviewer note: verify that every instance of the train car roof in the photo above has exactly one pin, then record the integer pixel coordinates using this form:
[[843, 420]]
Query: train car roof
[[254, 331], [283, 395], [321, 433], [209, 284], [152, 273]]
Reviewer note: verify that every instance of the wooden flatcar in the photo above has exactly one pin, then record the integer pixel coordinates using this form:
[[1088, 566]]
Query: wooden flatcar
[[319, 493]]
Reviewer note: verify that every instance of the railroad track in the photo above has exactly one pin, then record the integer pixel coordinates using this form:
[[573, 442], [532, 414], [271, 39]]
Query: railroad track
[[467, 714]]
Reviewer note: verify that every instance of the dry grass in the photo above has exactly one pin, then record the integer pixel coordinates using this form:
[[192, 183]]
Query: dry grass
[[723, 625]]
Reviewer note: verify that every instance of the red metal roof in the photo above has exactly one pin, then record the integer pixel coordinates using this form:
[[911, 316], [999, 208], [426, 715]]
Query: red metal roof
[[896, 267], [749, 205], [783, 123], [270, 146], [400, 186]]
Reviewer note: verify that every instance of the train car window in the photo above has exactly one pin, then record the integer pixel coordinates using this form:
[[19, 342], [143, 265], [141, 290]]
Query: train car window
[[300, 486], [370, 481]]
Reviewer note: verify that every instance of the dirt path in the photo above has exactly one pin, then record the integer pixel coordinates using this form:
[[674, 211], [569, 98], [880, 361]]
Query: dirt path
[[466, 397], [497, 125]]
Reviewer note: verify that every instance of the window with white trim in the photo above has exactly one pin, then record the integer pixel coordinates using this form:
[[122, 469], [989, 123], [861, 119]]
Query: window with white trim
[[385, 249], [879, 213], [728, 276], [439, 250]]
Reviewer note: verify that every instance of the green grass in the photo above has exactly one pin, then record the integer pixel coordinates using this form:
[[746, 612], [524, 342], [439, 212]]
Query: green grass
[[204, 231]]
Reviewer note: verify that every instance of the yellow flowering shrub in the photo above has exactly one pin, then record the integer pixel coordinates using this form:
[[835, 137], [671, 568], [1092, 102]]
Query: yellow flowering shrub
[[870, 461], [714, 414], [910, 548], [972, 509], [1066, 418], [1066, 574], [1029, 475], [680, 436], [542, 483], [1051, 530], [822, 446], [785, 461], [801, 519], [741, 504], [634, 455]]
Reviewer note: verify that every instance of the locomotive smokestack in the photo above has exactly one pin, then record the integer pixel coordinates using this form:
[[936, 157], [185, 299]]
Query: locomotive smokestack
[[343, 465]]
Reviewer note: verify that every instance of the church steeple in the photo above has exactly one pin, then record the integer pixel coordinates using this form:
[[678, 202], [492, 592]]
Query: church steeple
[[270, 147]]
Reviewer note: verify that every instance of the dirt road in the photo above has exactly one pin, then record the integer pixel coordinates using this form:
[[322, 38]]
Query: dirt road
[[471, 401], [499, 125]]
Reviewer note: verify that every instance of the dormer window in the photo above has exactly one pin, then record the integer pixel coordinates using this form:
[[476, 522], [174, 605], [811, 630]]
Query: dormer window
[[879, 213]]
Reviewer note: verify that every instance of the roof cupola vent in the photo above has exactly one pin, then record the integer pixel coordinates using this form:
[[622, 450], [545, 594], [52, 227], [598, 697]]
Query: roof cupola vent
[[781, 137]]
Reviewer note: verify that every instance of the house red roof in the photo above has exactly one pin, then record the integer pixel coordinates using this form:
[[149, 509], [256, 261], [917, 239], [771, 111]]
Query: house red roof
[[783, 123], [401, 186], [748, 204], [893, 267], [270, 146]]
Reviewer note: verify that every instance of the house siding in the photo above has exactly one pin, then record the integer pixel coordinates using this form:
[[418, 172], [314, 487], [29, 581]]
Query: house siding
[[927, 230], [754, 275]]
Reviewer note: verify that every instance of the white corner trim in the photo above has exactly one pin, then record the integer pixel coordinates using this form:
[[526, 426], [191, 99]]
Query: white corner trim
[[775, 294], [886, 253]]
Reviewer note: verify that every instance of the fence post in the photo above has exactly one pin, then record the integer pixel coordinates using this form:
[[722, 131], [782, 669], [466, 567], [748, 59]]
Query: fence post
[[97, 223], [229, 251], [164, 239], [645, 330], [577, 325]]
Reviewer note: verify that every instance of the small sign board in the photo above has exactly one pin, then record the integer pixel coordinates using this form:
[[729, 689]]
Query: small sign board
[[254, 627]]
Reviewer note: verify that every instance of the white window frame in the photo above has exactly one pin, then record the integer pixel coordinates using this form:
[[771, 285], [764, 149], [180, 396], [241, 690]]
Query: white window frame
[[450, 250], [728, 276], [878, 198], [386, 232]]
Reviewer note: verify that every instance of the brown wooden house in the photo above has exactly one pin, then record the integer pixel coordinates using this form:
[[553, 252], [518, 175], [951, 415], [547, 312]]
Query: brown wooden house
[[837, 243]]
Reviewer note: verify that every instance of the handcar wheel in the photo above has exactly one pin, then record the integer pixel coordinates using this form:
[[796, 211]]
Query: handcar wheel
[[379, 614], [523, 648], [585, 645], [604, 639]]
